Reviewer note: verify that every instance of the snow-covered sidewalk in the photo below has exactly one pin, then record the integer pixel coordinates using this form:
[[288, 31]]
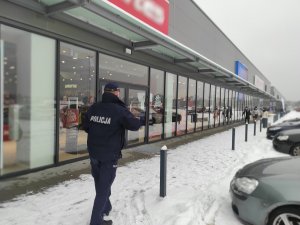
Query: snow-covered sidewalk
[[198, 177]]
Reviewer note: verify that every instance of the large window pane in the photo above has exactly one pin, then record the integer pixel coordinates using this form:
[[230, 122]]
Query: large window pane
[[77, 94], [212, 106], [192, 116], [217, 108], [27, 110], [199, 105], [156, 105], [181, 105], [206, 109], [222, 108], [170, 105], [112, 68]]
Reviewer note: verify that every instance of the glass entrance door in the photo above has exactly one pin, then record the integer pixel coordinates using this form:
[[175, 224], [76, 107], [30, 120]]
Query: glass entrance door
[[134, 97], [137, 101]]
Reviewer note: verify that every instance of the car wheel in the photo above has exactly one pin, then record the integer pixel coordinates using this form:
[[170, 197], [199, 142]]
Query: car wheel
[[285, 216], [295, 151]]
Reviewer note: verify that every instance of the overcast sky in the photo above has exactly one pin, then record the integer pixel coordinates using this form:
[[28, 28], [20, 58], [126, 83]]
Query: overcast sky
[[267, 32]]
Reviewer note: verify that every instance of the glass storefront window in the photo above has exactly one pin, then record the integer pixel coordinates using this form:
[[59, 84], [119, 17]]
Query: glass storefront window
[[27, 100], [181, 105], [217, 108], [115, 69], [156, 104], [206, 108], [200, 108], [229, 107], [192, 115], [211, 121], [222, 108], [171, 116], [77, 94]]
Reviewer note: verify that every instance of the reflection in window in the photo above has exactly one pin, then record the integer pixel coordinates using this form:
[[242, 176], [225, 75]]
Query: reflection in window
[[222, 108], [192, 116], [77, 94], [136, 100], [212, 106], [170, 105], [111, 68], [234, 106], [200, 107], [181, 105], [206, 109], [27, 109], [156, 104], [217, 108]]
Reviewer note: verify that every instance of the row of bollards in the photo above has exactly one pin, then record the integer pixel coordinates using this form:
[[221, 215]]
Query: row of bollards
[[163, 158], [246, 133]]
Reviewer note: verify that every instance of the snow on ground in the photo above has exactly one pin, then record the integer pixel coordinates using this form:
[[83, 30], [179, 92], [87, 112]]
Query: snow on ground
[[198, 177]]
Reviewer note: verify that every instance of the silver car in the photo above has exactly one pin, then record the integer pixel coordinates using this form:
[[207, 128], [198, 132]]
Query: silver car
[[267, 192]]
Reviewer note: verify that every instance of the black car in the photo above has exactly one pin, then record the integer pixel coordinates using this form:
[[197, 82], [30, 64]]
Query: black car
[[288, 141], [287, 125]]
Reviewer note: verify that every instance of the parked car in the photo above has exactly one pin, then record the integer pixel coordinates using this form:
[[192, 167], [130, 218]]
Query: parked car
[[267, 192], [288, 142], [275, 129]]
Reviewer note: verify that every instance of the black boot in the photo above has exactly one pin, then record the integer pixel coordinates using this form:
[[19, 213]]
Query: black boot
[[107, 222]]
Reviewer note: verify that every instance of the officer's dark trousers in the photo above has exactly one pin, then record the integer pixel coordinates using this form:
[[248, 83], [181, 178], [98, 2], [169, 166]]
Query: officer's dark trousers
[[247, 120], [104, 174]]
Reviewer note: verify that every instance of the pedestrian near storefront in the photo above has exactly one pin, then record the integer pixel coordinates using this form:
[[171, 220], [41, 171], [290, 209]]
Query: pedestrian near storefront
[[247, 114], [105, 123]]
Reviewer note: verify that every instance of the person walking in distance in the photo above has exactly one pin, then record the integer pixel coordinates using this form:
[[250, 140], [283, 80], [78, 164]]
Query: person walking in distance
[[247, 114], [105, 123]]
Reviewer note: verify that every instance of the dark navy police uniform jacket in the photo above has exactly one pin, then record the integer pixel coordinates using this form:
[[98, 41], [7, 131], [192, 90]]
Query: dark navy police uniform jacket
[[105, 123]]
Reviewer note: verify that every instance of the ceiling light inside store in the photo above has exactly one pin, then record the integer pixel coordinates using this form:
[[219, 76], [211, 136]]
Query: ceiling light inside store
[[12, 67], [63, 61], [74, 67], [5, 63]]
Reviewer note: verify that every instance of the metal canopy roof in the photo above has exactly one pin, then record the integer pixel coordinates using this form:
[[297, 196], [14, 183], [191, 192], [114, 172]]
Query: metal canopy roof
[[103, 18]]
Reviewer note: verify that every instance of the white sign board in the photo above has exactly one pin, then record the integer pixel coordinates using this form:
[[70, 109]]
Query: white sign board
[[259, 83]]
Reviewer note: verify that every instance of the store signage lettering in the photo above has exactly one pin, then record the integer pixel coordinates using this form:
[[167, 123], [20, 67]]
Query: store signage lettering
[[70, 85], [153, 12]]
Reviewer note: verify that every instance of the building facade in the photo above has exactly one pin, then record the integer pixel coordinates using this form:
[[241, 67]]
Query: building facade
[[172, 62]]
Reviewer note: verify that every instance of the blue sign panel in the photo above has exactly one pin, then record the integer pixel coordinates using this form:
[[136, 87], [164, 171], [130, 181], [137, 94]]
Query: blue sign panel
[[241, 70]]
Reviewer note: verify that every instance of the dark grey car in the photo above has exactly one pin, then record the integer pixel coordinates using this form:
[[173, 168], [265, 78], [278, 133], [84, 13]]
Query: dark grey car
[[267, 192], [288, 142]]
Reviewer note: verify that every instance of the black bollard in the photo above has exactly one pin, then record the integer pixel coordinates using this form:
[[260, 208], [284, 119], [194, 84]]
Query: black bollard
[[246, 132], [260, 125], [233, 138], [163, 171], [254, 128]]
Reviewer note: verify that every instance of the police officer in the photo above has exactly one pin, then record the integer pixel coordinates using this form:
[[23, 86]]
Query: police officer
[[105, 123]]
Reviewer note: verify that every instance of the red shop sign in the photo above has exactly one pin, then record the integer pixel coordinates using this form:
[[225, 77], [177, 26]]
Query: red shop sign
[[153, 12]]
